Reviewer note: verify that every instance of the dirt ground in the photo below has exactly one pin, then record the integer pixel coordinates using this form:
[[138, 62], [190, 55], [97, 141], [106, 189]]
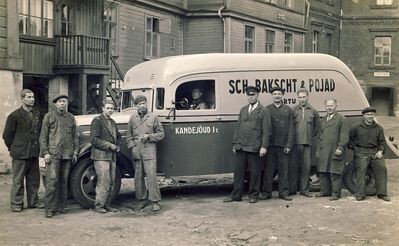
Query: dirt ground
[[196, 215]]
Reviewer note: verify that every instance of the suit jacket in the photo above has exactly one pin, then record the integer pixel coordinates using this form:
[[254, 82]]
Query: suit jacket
[[333, 134], [136, 128], [21, 134], [103, 133], [253, 130]]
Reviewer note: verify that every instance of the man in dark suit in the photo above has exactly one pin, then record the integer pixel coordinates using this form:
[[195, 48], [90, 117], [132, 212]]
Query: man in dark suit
[[251, 140], [106, 142], [281, 143], [333, 137], [21, 136]]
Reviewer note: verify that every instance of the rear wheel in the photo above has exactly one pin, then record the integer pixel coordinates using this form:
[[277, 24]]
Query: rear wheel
[[83, 183], [350, 180]]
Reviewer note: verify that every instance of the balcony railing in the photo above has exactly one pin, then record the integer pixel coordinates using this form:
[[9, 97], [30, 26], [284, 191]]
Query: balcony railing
[[81, 51]]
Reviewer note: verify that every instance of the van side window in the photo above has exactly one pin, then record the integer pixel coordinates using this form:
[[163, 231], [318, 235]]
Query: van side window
[[196, 95], [160, 98]]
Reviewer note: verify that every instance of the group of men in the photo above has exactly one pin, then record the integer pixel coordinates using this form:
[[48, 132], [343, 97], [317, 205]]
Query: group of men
[[55, 138], [266, 138]]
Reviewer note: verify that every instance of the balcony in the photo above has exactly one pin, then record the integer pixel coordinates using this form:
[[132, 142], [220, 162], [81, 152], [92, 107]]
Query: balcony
[[77, 53]]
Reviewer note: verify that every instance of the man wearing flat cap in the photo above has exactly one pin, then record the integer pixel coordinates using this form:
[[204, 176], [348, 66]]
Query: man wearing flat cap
[[144, 130], [250, 143], [59, 146], [282, 140], [368, 141]]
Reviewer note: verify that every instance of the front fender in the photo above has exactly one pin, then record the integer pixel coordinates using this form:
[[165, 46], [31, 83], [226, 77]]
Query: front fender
[[84, 150]]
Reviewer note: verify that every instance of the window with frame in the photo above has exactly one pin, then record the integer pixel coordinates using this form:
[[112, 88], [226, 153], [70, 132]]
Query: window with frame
[[329, 43], [249, 39], [384, 2], [36, 18], [289, 4], [152, 38], [288, 43], [196, 95], [382, 56], [270, 41], [315, 42], [66, 17], [110, 26]]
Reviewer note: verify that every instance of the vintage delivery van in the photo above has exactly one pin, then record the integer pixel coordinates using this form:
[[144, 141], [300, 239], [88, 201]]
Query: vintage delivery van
[[199, 142]]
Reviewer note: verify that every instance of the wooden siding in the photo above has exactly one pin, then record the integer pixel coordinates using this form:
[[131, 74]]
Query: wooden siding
[[203, 35], [270, 13], [89, 17], [175, 3], [132, 35], [237, 38], [204, 4], [37, 58]]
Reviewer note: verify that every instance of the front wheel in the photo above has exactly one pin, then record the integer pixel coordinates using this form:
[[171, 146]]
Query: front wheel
[[83, 181], [350, 180]]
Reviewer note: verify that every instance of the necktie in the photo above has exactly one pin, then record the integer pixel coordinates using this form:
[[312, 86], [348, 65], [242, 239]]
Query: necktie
[[251, 107]]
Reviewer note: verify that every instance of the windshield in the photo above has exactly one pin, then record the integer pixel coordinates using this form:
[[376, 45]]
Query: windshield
[[129, 95]]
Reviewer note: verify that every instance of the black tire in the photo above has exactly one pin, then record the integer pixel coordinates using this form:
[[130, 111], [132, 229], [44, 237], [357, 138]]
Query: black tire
[[83, 182], [350, 180]]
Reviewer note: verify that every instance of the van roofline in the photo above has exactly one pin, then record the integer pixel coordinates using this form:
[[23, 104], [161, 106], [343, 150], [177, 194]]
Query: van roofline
[[162, 72]]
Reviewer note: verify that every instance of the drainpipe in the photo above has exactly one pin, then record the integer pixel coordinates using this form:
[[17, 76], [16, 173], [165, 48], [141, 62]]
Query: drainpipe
[[307, 4], [224, 27]]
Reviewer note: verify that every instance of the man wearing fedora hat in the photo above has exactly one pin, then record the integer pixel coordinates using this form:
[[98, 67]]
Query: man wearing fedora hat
[[368, 141], [250, 143], [59, 146], [282, 140], [144, 130]]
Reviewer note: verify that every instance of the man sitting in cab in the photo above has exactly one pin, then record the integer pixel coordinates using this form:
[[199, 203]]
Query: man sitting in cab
[[198, 102]]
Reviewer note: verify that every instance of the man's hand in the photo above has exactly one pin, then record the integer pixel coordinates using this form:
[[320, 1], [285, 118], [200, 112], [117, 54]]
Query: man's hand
[[144, 138], [287, 150], [114, 147], [47, 159], [74, 158], [234, 150], [338, 152], [378, 155], [262, 152]]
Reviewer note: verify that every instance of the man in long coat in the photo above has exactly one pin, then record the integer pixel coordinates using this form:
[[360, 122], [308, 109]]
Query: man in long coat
[[250, 143], [143, 132], [21, 136], [333, 137], [106, 141]]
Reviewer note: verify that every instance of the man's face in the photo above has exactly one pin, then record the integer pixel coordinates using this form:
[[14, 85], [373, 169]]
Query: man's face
[[331, 106], [142, 106], [62, 104], [303, 98], [277, 96], [28, 99], [369, 117], [252, 97], [196, 93], [108, 109]]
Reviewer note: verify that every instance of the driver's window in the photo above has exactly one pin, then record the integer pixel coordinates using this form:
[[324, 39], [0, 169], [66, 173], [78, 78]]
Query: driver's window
[[196, 95]]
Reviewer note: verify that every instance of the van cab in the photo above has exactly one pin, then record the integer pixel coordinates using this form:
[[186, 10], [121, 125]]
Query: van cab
[[198, 141]]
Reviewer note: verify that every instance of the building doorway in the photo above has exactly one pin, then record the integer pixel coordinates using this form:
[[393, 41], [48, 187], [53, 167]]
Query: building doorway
[[382, 99]]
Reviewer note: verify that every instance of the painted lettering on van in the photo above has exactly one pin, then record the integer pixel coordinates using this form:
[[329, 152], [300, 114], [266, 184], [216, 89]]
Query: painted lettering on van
[[290, 85], [195, 130]]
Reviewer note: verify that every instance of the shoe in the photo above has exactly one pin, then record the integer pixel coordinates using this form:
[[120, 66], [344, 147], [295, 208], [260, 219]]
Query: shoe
[[63, 211], [320, 194], [16, 209], [263, 196], [384, 198], [155, 206], [230, 199], [49, 214], [359, 198], [334, 198], [307, 194], [100, 210], [111, 209], [142, 204], [253, 200], [286, 198]]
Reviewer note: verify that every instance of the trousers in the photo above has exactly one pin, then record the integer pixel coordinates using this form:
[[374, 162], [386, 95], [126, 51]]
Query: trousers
[[330, 184], [149, 169], [25, 170], [276, 159], [57, 174], [105, 171]]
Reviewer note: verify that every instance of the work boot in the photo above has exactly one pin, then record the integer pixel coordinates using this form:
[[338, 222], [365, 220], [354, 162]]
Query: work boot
[[16, 209], [100, 210], [359, 198], [286, 198], [142, 204], [264, 196], [384, 198], [253, 200], [155, 206], [111, 209], [230, 199], [334, 198], [49, 214], [307, 194]]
